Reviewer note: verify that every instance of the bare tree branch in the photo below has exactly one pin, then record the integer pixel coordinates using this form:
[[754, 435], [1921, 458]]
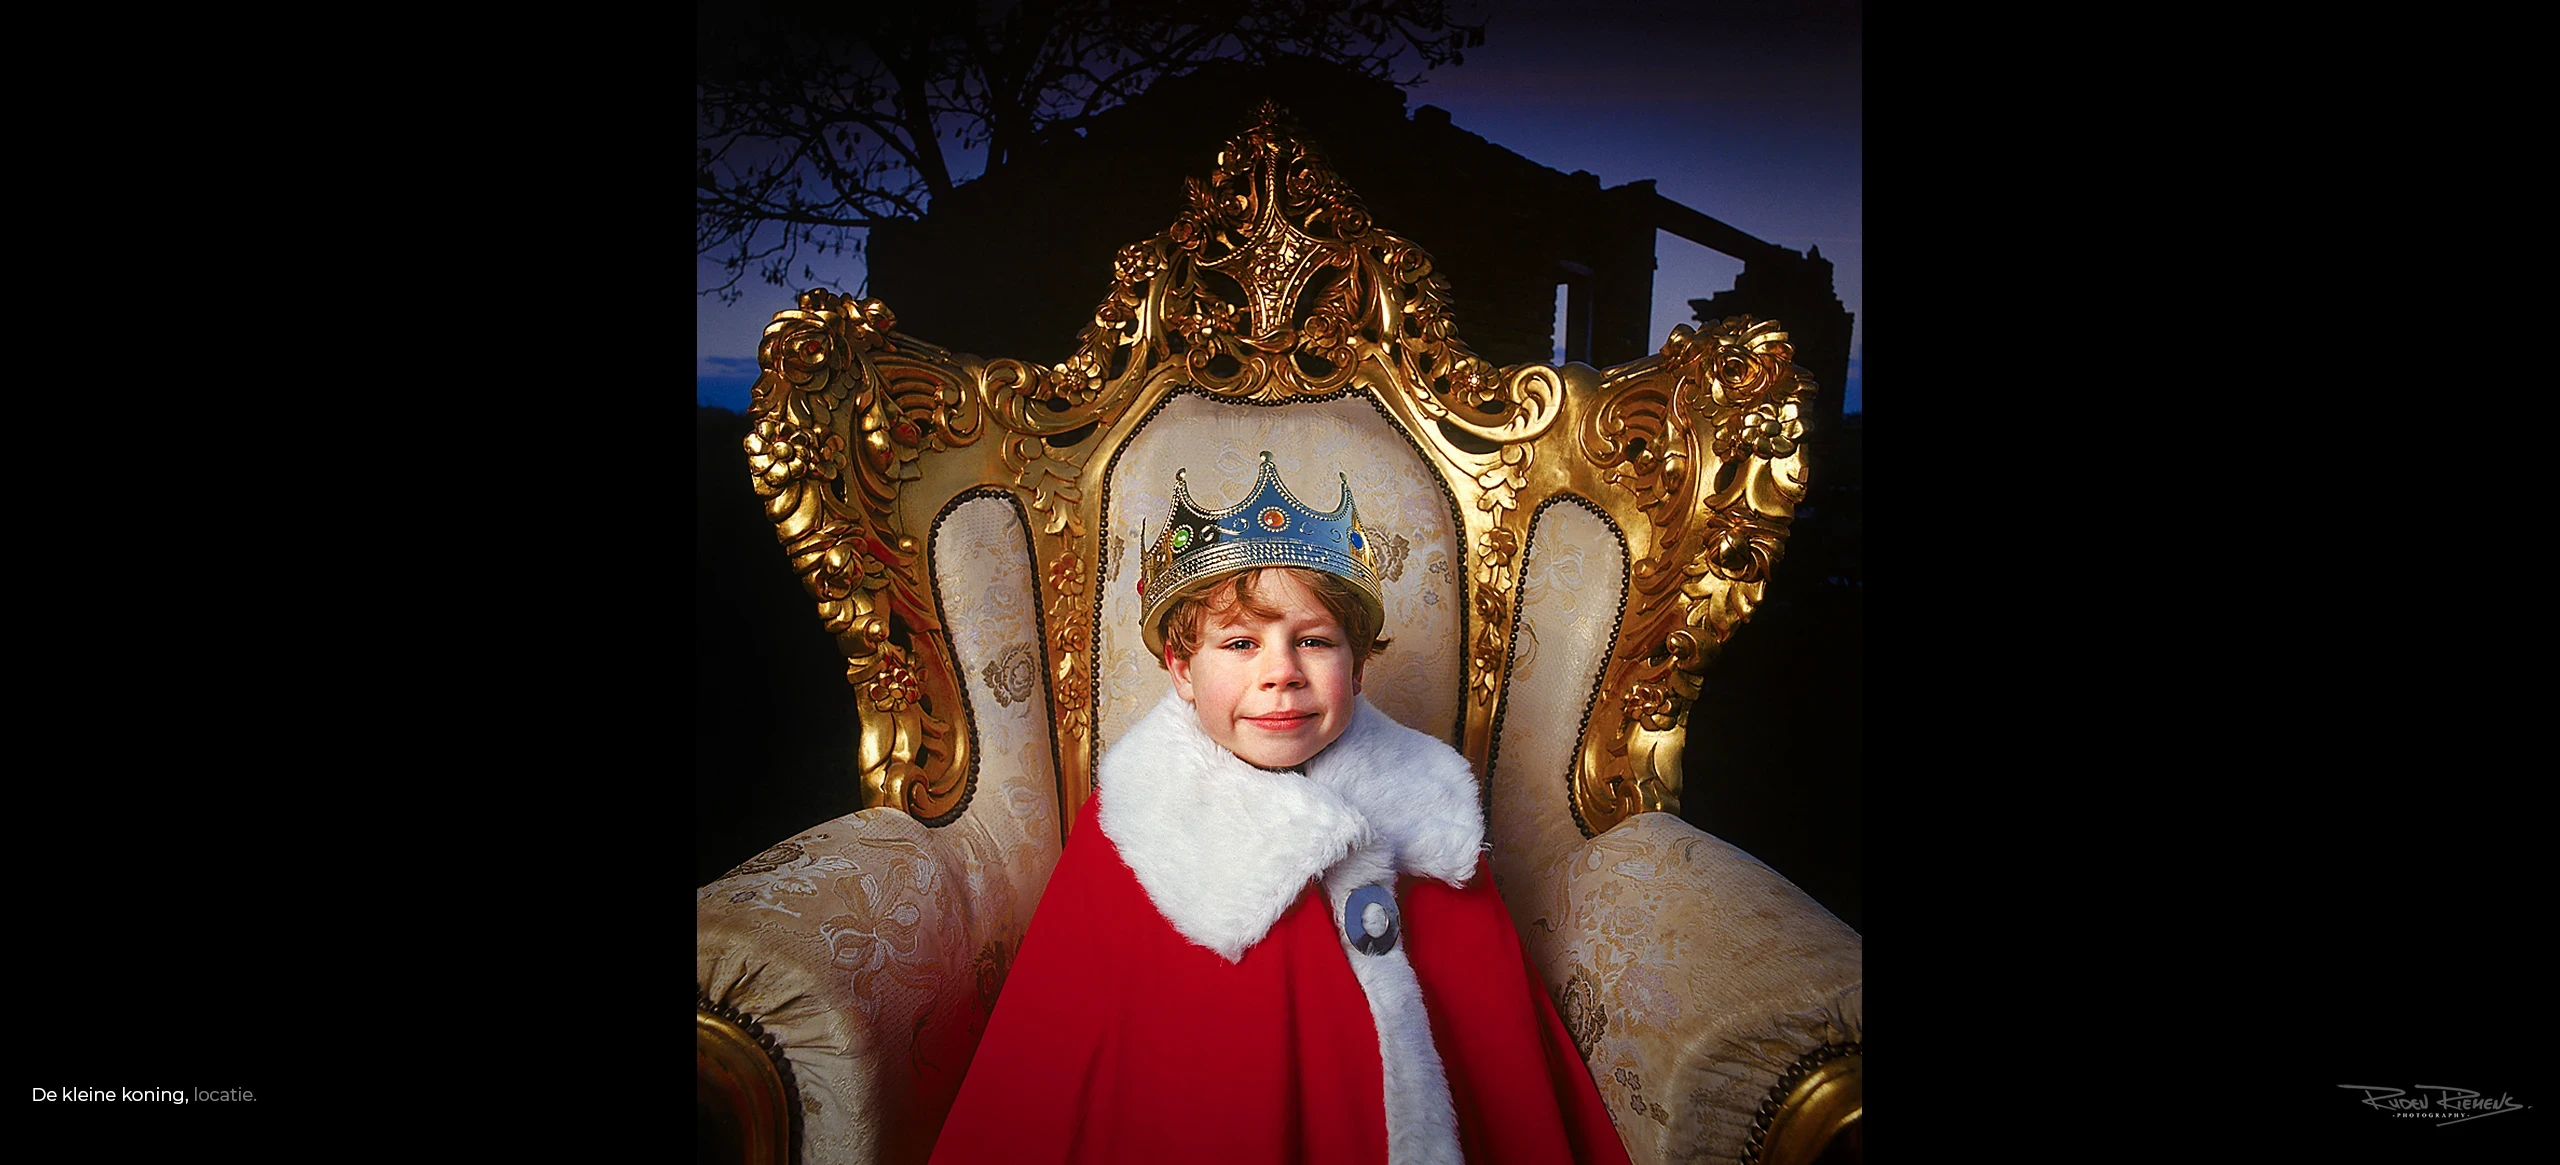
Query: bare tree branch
[[819, 119]]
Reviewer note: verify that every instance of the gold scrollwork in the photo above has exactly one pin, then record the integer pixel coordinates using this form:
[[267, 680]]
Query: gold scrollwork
[[1495, 548], [842, 418], [1706, 441]]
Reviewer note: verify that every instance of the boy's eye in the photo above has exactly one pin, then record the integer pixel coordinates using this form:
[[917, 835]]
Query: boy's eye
[[1238, 645], [1315, 641]]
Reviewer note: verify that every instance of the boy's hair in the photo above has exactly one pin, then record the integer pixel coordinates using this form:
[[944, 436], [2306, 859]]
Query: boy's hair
[[1183, 619]]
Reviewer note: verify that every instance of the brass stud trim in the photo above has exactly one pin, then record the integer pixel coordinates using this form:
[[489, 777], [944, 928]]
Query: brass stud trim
[[727, 1033], [1794, 1089]]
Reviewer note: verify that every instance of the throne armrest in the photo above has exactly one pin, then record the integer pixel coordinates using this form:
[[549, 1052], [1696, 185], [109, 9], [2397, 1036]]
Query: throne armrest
[[866, 952], [1719, 1007]]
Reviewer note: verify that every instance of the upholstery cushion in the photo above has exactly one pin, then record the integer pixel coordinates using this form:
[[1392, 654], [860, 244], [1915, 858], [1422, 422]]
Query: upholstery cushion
[[982, 567], [1571, 582], [1691, 975]]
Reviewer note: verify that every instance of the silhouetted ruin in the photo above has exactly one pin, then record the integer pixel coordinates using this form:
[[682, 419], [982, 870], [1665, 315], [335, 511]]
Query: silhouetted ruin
[[1012, 264]]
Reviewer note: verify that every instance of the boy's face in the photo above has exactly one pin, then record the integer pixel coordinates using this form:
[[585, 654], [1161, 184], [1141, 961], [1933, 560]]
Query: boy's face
[[1272, 691]]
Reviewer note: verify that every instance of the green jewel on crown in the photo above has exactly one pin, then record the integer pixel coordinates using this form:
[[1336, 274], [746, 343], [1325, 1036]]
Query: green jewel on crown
[[1270, 527]]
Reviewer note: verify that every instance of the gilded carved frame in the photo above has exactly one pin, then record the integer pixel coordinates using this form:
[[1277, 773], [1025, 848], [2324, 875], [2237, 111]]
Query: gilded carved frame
[[1272, 285]]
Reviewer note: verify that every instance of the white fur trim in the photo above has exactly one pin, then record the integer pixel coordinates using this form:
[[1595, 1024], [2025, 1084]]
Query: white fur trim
[[1417, 794], [1223, 848], [1422, 1123]]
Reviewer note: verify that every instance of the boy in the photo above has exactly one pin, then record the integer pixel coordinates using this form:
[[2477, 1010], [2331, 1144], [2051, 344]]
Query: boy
[[1273, 936]]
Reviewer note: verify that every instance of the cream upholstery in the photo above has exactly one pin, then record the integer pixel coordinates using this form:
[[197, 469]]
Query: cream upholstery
[[857, 946], [1691, 975], [1570, 591], [982, 559]]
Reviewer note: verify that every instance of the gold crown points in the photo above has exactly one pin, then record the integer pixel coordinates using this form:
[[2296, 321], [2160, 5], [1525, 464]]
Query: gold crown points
[[1270, 527]]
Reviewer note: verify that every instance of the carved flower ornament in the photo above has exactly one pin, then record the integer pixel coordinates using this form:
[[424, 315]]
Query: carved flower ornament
[[1473, 381], [896, 687], [1068, 638], [1073, 689], [798, 349], [779, 453], [1135, 264], [842, 565], [869, 322], [1769, 431], [1066, 576], [1653, 705], [1325, 333]]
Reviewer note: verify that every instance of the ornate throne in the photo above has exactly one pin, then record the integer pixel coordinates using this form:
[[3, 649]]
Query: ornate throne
[[1568, 549]]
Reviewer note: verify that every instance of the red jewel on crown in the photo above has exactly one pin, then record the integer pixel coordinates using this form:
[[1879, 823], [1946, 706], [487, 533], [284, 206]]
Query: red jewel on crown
[[1272, 518]]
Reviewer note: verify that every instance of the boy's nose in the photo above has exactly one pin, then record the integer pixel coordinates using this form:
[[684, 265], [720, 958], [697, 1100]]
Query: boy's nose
[[1282, 671]]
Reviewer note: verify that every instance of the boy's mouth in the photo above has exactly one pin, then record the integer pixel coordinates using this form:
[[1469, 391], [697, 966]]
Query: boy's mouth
[[1281, 721]]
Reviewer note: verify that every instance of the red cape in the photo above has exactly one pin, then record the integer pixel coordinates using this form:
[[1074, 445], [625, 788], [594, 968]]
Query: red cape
[[1115, 1039]]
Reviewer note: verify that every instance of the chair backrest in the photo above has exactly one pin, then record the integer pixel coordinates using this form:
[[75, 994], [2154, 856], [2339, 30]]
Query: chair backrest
[[1569, 546]]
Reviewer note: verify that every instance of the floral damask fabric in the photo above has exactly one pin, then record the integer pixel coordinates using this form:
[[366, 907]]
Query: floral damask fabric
[[1691, 975], [873, 949], [982, 568], [1570, 581], [1014, 675], [1220, 443]]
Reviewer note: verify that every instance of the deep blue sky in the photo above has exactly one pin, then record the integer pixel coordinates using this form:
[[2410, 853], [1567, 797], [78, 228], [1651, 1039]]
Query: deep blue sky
[[1747, 115]]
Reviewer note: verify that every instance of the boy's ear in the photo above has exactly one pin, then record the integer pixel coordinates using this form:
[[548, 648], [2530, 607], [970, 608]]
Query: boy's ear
[[1180, 666]]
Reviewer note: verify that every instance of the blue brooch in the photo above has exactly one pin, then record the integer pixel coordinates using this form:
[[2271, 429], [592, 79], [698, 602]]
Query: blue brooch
[[1369, 920]]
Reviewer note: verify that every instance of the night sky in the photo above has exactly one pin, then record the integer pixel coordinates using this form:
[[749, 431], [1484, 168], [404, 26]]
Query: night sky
[[1745, 115]]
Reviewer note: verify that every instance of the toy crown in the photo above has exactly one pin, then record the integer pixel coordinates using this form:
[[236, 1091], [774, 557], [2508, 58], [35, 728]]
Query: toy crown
[[1270, 527]]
